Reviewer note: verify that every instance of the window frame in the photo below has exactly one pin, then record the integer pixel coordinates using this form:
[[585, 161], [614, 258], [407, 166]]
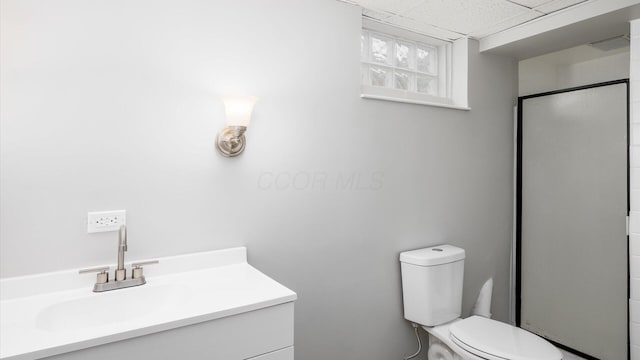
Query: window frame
[[446, 67]]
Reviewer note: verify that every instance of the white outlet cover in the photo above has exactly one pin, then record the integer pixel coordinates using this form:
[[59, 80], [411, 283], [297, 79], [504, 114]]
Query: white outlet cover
[[101, 221]]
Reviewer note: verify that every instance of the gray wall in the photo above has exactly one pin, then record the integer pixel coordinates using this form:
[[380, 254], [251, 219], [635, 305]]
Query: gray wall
[[570, 68], [115, 104]]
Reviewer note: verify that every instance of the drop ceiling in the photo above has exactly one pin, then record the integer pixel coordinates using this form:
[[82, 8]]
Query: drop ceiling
[[453, 19], [517, 28]]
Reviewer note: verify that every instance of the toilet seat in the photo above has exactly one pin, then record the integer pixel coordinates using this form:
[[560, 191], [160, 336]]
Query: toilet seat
[[494, 340]]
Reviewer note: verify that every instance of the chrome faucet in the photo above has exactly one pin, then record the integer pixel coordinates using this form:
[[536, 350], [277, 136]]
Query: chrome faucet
[[121, 273], [120, 279]]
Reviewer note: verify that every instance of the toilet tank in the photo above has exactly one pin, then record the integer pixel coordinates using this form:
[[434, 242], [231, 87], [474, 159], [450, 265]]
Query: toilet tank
[[432, 284]]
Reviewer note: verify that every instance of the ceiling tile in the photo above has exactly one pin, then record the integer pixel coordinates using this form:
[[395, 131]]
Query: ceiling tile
[[465, 16], [506, 24], [377, 15], [556, 5], [390, 6], [423, 28], [530, 3]]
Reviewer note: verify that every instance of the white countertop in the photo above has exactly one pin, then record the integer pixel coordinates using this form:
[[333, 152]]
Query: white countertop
[[49, 314]]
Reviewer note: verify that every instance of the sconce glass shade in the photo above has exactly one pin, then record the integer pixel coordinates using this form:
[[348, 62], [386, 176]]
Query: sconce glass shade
[[238, 109]]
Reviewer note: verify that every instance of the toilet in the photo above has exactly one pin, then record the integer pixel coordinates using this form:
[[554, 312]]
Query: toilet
[[432, 296]]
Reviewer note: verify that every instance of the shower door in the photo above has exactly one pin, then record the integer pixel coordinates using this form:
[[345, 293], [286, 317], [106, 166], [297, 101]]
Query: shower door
[[571, 255]]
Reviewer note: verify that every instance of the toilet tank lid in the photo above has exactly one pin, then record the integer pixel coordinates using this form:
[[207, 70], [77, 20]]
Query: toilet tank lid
[[435, 255]]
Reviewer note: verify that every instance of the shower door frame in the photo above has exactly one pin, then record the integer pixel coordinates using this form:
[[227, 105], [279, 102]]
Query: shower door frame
[[518, 232]]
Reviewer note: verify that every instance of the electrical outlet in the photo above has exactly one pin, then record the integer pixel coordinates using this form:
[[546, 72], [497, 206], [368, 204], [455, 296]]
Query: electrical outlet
[[100, 221]]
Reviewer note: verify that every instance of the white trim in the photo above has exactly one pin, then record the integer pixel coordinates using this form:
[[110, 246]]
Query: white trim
[[412, 101], [404, 94], [446, 58], [459, 72]]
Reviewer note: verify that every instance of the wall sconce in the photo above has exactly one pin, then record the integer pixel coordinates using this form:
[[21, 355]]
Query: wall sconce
[[231, 140]]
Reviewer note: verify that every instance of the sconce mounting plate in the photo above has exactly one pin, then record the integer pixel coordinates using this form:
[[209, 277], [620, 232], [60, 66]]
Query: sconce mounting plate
[[231, 141]]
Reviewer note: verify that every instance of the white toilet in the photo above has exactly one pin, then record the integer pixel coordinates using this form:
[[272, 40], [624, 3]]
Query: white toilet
[[432, 294]]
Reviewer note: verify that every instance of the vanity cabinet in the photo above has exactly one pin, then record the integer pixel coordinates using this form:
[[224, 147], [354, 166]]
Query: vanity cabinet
[[203, 306], [264, 334]]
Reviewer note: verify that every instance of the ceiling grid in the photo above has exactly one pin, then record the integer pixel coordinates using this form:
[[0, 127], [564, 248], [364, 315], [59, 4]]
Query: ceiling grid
[[454, 19]]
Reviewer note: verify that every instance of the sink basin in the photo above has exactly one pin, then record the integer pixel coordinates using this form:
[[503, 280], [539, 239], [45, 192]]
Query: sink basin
[[49, 314], [89, 311]]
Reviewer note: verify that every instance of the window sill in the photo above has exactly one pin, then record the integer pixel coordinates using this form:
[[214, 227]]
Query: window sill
[[414, 101]]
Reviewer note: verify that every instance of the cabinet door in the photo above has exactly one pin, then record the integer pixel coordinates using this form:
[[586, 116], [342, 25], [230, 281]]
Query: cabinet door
[[283, 354], [236, 337]]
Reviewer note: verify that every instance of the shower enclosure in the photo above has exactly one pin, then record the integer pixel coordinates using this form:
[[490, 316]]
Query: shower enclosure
[[571, 218]]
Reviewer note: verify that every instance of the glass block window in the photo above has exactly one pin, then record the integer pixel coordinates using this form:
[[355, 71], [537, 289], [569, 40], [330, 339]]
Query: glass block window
[[402, 64]]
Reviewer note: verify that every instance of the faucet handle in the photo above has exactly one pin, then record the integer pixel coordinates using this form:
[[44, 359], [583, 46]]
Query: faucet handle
[[102, 276], [143, 263], [136, 271]]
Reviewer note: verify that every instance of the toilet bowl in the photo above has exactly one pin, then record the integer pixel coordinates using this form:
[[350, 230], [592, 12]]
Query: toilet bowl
[[432, 297], [479, 338], [441, 347]]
